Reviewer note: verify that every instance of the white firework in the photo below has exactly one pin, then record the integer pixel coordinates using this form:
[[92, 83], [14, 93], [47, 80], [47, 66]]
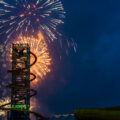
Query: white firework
[[30, 17]]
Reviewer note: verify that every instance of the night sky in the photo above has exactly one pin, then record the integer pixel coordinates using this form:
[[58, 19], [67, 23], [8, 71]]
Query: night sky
[[90, 77]]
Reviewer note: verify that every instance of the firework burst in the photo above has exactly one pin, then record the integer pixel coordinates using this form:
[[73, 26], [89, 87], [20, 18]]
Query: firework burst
[[39, 47], [31, 16], [2, 102]]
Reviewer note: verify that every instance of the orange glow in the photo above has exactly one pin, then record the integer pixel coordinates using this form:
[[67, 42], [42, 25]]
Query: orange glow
[[39, 47], [34, 104], [34, 6], [29, 13]]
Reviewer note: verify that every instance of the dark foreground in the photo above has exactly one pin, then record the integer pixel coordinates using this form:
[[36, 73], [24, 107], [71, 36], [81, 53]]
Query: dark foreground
[[112, 113]]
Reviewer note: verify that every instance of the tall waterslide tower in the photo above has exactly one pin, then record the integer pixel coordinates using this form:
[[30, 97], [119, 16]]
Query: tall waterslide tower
[[20, 86]]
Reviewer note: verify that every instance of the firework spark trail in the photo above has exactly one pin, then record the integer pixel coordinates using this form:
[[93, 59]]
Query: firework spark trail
[[30, 16]]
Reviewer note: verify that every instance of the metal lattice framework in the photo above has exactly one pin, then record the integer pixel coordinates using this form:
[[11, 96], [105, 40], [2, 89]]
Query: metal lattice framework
[[21, 78], [20, 86]]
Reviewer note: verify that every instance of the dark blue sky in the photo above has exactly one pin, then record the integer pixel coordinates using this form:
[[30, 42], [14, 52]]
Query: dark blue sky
[[90, 77]]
